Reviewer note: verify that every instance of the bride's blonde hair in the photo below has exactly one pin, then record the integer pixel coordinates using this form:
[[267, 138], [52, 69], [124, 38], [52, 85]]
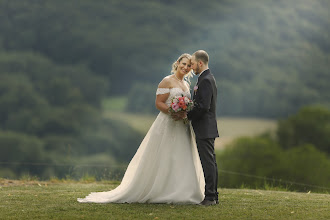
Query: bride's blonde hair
[[175, 66]]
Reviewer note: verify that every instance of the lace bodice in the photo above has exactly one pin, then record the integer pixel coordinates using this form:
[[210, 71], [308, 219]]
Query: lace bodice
[[173, 92]]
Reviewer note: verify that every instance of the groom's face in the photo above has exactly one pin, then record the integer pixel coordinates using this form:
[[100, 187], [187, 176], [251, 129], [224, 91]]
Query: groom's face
[[195, 66]]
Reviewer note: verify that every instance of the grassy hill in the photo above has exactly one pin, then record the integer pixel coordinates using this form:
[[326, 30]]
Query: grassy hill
[[57, 200]]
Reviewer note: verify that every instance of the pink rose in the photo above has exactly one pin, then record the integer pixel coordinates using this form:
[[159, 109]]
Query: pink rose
[[175, 107]]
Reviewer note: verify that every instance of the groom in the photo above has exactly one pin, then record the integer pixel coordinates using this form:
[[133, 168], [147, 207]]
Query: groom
[[203, 118]]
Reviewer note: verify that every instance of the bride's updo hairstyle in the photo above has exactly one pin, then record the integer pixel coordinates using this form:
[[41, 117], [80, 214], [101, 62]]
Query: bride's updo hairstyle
[[175, 66]]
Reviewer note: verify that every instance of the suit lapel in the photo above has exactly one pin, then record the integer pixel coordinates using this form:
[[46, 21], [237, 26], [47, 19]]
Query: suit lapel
[[206, 72]]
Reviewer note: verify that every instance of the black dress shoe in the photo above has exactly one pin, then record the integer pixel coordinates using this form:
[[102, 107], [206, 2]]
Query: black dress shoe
[[207, 202]]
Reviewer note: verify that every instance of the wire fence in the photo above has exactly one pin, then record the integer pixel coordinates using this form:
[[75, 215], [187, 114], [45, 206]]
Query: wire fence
[[62, 165], [273, 179], [125, 166]]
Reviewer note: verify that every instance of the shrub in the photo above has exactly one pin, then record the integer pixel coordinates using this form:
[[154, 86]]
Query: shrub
[[253, 156], [306, 164], [311, 125], [19, 152], [258, 162]]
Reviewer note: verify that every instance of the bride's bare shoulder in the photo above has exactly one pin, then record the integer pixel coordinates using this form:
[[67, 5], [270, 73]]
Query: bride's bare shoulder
[[166, 82]]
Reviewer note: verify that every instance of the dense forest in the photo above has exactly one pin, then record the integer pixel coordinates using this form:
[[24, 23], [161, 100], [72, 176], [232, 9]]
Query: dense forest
[[60, 59], [269, 58], [50, 116]]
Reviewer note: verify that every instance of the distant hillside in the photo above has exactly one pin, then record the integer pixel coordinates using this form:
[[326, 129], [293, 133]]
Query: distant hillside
[[269, 57]]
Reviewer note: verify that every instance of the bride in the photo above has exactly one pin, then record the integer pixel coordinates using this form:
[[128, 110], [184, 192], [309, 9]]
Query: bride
[[166, 167]]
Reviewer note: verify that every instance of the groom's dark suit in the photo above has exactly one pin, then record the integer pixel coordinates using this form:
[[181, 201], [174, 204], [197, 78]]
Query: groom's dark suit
[[203, 118]]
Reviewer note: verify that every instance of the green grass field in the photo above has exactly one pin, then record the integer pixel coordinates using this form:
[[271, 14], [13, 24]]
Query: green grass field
[[57, 200]]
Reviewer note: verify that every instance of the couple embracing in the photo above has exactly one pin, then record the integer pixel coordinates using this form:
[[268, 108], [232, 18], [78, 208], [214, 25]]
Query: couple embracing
[[175, 163]]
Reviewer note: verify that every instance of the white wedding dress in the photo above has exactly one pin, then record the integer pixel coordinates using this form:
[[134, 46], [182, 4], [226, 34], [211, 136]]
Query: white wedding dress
[[166, 167]]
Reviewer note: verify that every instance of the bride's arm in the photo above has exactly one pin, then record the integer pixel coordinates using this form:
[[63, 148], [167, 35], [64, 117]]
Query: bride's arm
[[161, 97], [161, 105], [160, 102]]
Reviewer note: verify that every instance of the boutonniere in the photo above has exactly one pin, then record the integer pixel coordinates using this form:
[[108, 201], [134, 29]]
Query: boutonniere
[[195, 89]]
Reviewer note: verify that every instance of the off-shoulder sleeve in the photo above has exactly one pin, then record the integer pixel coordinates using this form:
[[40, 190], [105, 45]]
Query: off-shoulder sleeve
[[161, 91]]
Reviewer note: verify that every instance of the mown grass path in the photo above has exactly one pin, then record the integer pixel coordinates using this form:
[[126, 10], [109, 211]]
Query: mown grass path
[[46, 200]]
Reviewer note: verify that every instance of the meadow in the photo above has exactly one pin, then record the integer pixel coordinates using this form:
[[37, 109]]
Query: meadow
[[28, 199]]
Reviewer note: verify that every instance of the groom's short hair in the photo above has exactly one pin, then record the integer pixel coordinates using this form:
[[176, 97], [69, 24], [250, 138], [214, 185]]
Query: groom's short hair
[[201, 55]]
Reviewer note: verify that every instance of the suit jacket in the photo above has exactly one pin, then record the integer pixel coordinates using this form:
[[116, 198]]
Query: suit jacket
[[203, 115]]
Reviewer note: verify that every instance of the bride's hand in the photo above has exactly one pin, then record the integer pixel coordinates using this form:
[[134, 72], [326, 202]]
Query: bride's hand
[[179, 115]]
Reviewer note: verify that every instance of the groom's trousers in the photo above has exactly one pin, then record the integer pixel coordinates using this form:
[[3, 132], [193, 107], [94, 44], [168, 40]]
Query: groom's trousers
[[206, 153]]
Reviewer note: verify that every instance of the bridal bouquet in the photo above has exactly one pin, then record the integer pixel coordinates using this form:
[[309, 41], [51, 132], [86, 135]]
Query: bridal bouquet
[[181, 103]]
